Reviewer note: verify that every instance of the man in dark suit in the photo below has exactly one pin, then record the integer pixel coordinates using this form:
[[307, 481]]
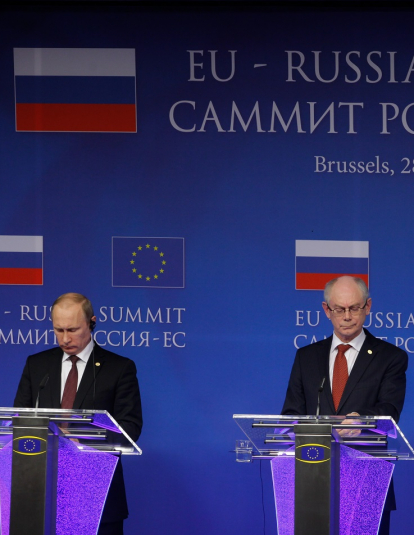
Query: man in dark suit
[[104, 381], [376, 369]]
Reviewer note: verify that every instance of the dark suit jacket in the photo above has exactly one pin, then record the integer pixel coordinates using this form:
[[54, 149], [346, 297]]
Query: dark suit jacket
[[116, 391], [376, 385]]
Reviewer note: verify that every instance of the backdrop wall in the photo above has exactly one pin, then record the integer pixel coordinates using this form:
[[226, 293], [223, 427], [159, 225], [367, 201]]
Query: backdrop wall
[[230, 138]]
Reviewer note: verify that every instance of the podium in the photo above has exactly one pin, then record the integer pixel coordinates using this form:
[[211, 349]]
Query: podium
[[56, 466], [330, 474]]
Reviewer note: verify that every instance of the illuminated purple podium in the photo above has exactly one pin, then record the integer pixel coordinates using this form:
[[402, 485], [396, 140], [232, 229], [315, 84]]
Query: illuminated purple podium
[[56, 467], [329, 477]]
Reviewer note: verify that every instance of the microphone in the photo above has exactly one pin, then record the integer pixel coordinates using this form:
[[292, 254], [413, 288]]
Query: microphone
[[43, 383], [94, 377], [318, 405]]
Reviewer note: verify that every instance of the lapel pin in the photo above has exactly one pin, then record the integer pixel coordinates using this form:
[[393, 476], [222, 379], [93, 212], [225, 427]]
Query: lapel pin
[[97, 363], [369, 352]]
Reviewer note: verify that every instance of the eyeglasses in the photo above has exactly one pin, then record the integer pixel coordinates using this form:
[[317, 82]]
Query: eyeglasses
[[340, 311]]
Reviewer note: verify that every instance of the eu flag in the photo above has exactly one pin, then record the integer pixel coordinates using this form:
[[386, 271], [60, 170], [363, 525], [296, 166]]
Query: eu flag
[[29, 445], [313, 453], [148, 262]]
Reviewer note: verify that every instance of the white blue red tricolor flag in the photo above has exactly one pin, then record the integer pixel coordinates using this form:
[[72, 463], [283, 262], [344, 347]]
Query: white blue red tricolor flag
[[319, 261], [21, 260], [75, 89]]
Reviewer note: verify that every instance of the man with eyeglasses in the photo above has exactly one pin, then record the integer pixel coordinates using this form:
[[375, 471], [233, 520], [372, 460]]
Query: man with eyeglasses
[[363, 374]]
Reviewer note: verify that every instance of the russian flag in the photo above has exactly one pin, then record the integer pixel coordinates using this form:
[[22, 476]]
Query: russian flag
[[21, 260], [75, 89], [319, 261]]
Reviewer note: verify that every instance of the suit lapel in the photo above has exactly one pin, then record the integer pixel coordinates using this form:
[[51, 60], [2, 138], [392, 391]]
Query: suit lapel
[[324, 350], [93, 367], [365, 356], [55, 376]]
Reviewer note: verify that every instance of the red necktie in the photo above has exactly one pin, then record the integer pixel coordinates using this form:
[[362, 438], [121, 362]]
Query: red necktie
[[71, 385], [340, 374]]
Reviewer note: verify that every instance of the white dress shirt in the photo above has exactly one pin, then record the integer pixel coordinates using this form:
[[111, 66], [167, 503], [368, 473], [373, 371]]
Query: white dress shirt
[[351, 354], [81, 365]]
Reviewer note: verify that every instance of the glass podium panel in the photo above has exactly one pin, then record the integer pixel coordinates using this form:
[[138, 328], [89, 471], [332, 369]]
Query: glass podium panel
[[89, 430], [377, 436], [67, 459], [330, 473]]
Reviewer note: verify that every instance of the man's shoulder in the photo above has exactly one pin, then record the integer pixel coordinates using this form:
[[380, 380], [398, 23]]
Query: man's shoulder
[[45, 354], [382, 345], [316, 347], [101, 353], [98, 353]]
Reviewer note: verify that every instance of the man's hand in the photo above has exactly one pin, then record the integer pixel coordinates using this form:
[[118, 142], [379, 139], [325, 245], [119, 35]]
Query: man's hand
[[350, 432], [66, 431]]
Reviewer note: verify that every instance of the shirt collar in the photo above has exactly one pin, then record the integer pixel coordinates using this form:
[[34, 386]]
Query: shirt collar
[[356, 343], [84, 354]]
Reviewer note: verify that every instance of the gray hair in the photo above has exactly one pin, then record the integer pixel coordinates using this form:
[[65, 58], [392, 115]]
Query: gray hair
[[359, 282]]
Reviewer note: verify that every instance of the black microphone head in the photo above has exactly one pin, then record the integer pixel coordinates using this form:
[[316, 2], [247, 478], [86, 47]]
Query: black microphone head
[[44, 381], [322, 384]]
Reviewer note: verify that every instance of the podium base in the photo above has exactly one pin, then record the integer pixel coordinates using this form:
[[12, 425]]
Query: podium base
[[84, 477], [364, 483]]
